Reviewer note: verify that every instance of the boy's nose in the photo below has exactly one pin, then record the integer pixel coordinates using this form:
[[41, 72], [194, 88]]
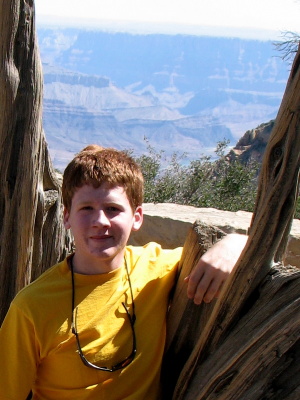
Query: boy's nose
[[101, 219]]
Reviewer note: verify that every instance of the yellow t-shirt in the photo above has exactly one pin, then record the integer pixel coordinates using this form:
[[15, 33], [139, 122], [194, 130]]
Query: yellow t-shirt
[[38, 351]]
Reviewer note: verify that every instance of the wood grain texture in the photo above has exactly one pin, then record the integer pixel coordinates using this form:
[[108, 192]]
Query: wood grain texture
[[31, 234]]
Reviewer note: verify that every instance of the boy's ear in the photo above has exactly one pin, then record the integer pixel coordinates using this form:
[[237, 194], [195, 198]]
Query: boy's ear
[[66, 219], [137, 218]]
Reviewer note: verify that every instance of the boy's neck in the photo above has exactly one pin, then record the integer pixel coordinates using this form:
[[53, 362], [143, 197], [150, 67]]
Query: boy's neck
[[96, 266]]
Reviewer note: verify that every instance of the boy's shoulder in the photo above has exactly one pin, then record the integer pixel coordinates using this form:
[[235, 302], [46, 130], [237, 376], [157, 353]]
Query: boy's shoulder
[[153, 248], [153, 252], [48, 282]]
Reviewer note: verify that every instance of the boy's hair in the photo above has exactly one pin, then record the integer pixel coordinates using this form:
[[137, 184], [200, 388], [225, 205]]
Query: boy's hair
[[95, 165]]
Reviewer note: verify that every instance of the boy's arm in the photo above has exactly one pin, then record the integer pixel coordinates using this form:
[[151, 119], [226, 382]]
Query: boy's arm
[[18, 355], [206, 279]]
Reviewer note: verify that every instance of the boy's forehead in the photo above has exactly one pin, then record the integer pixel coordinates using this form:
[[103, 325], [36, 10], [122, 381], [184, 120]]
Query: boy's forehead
[[87, 191]]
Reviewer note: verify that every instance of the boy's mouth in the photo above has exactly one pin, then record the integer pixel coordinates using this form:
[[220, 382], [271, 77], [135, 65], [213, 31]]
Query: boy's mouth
[[100, 237]]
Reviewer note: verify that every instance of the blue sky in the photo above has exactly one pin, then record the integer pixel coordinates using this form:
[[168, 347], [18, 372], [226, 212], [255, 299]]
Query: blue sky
[[244, 17]]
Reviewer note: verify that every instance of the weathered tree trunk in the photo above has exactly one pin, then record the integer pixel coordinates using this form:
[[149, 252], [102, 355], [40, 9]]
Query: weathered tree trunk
[[249, 345], [31, 233]]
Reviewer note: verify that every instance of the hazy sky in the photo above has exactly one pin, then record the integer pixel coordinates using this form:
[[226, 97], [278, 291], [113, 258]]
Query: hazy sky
[[277, 15]]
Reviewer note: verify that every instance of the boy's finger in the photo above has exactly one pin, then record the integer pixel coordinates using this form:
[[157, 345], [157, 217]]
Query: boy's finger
[[213, 290], [201, 289], [206, 289], [192, 283]]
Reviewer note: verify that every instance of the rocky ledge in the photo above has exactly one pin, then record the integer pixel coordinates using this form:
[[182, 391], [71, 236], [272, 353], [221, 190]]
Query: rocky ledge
[[168, 225]]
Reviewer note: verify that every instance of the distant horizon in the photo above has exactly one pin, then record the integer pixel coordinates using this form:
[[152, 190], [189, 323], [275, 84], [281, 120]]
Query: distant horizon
[[249, 19], [149, 28]]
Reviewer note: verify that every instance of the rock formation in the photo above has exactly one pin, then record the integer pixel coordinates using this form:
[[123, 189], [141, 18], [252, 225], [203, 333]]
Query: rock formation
[[253, 143]]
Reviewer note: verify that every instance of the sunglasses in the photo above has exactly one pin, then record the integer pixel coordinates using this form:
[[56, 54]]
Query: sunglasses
[[131, 319]]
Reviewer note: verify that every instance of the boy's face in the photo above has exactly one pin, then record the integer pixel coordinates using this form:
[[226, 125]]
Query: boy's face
[[101, 220]]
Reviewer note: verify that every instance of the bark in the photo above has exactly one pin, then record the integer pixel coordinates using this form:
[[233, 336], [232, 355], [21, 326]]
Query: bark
[[32, 237], [185, 319], [258, 357], [231, 317]]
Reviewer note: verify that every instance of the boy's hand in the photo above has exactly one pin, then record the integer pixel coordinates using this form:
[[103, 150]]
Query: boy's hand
[[206, 280]]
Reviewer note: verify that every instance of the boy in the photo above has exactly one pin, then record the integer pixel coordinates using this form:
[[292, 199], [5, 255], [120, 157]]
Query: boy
[[93, 326]]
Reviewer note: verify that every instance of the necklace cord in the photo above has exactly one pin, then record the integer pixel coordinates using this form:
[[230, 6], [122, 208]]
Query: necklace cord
[[133, 317]]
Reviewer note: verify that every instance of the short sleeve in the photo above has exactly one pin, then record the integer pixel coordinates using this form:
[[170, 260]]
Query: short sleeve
[[18, 355]]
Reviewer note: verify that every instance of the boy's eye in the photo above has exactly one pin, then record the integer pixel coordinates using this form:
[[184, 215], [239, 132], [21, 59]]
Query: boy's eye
[[87, 208], [112, 209]]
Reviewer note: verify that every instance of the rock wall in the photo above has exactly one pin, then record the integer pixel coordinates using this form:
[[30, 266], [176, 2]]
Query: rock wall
[[168, 225]]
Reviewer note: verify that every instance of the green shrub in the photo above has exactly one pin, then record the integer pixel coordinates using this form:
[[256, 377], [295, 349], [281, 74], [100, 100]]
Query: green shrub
[[221, 183]]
